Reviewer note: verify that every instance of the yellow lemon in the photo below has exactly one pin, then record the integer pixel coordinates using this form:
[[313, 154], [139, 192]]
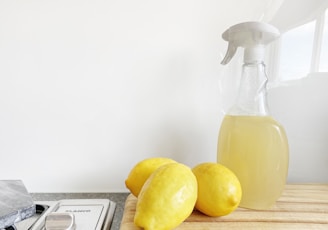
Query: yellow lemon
[[219, 190], [142, 170], [167, 198]]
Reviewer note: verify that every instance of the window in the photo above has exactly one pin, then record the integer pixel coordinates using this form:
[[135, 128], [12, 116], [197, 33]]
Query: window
[[323, 67], [304, 49], [296, 52]]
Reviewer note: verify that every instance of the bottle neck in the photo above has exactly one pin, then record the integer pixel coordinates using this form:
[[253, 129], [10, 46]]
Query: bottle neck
[[252, 99]]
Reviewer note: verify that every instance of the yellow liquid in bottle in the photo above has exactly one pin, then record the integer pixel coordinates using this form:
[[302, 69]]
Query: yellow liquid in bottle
[[255, 148]]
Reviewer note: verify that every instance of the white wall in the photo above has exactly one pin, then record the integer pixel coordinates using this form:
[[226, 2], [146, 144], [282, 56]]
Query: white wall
[[301, 106], [89, 88]]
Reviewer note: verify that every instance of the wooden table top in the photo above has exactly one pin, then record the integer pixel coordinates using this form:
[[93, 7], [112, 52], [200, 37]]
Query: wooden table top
[[301, 206]]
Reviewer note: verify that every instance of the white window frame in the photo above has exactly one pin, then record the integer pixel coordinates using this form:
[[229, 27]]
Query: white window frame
[[317, 42], [275, 50]]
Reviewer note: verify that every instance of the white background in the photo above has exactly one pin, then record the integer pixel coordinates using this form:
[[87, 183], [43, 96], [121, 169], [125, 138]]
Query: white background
[[89, 88]]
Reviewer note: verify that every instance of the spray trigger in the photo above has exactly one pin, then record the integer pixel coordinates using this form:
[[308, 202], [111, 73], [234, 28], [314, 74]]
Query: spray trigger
[[252, 36]]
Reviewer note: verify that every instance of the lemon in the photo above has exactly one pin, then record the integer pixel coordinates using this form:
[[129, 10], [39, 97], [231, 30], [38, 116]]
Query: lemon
[[219, 190], [167, 198], [142, 170]]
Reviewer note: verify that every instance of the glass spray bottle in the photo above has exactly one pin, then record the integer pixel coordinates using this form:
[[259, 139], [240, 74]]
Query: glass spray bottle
[[252, 143]]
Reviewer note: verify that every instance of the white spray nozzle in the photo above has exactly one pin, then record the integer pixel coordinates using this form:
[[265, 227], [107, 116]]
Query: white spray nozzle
[[252, 36]]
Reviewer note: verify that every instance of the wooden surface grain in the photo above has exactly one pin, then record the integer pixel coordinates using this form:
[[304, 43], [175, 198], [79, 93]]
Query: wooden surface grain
[[301, 206]]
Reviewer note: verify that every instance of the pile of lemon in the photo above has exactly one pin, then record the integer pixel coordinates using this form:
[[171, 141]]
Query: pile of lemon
[[168, 191]]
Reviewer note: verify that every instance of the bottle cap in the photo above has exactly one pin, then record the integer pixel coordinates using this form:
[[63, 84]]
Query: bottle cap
[[253, 37]]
